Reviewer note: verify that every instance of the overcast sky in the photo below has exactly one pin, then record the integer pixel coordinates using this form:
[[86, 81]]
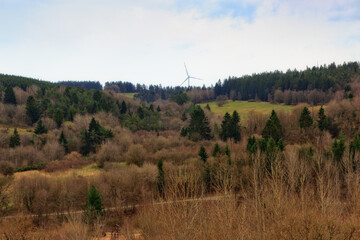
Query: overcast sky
[[148, 41]]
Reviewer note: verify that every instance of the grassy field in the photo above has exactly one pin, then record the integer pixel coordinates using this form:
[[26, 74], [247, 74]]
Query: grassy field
[[244, 107], [128, 95]]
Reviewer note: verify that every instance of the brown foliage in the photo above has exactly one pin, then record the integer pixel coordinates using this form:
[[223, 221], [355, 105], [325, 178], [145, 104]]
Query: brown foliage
[[71, 161]]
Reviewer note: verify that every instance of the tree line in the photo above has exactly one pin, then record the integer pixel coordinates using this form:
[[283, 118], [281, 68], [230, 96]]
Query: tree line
[[84, 84]]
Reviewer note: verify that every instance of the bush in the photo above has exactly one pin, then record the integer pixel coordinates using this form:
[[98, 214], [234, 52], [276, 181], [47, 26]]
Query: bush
[[73, 160], [7, 168], [136, 155]]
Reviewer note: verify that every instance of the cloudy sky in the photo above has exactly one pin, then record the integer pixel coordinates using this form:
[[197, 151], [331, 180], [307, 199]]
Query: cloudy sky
[[148, 41]]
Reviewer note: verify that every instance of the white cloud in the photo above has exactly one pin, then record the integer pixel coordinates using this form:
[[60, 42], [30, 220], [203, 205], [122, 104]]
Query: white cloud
[[148, 43]]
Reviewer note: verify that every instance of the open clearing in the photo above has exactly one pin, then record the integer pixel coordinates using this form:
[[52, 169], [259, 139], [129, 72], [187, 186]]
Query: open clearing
[[244, 107], [128, 95]]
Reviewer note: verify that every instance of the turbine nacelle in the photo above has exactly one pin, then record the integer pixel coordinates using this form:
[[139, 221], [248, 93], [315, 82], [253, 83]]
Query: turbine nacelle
[[188, 77]]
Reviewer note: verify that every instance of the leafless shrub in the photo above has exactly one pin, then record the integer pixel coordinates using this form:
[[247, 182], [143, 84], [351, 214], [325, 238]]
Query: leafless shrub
[[136, 155], [53, 150]]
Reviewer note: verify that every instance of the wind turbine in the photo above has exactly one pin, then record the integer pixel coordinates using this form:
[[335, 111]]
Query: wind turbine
[[188, 77]]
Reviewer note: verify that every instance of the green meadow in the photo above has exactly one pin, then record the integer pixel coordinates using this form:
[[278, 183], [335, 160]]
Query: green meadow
[[244, 107], [128, 95]]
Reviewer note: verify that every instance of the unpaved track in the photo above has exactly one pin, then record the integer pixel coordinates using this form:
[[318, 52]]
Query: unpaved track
[[71, 213]]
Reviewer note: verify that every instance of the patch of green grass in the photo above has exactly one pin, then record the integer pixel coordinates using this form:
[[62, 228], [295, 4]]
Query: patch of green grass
[[128, 95], [90, 168], [244, 107]]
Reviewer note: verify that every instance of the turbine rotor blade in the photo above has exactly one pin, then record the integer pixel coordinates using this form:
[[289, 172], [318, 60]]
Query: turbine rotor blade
[[187, 73], [197, 78], [184, 81]]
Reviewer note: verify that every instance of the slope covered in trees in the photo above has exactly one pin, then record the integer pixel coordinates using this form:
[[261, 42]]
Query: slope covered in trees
[[260, 86], [22, 82], [84, 84]]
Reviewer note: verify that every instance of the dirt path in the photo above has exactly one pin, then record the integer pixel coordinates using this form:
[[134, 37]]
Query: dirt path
[[212, 198]]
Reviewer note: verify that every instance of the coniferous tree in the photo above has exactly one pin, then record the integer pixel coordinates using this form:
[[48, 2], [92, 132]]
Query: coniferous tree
[[216, 151], [94, 137], [226, 130], [202, 154], [273, 128], [63, 141], [262, 144], [151, 107], [184, 117], [199, 127], [140, 113], [123, 107], [14, 139], [281, 145], [208, 107], [323, 122], [40, 128], [94, 208], [251, 145], [158, 108], [9, 97], [32, 110], [338, 149], [58, 117], [161, 178], [305, 119], [184, 131], [236, 130], [230, 127]]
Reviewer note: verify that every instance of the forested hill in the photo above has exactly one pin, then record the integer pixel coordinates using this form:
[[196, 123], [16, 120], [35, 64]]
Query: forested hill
[[324, 78], [314, 85], [84, 84], [22, 82]]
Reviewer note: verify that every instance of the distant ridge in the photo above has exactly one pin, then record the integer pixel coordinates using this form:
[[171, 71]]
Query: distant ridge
[[23, 82], [84, 84]]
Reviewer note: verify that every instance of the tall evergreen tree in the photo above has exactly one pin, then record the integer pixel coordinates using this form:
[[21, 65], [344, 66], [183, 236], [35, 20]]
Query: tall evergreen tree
[[63, 141], [94, 137], [236, 130], [14, 139], [58, 117], [40, 128], [230, 127], [94, 208], [161, 178], [199, 127], [251, 145], [226, 130], [338, 149], [216, 151], [9, 97], [123, 107], [323, 122], [273, 128], [202, 154], [32, 110], [305, 119]]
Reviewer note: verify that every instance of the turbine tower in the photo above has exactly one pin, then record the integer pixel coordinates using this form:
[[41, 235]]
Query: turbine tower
[[188, 77]]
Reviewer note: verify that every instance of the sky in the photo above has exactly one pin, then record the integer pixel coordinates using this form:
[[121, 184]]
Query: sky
[[148, 41]]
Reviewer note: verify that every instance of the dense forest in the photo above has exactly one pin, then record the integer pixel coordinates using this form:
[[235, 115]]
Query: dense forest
[[22, 82], [324, 78], [84, 84], [124, 87], [314, 85]]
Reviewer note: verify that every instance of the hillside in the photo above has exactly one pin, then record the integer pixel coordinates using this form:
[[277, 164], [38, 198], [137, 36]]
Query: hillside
[[23, 82], [77, 162]]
